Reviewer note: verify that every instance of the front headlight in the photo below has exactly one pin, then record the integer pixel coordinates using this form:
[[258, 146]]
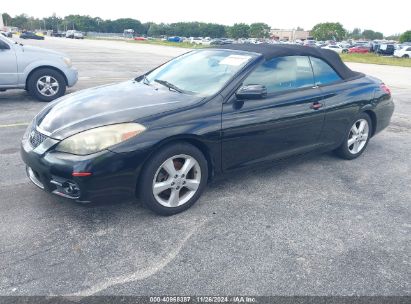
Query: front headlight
[[95, 140], [67, 61]]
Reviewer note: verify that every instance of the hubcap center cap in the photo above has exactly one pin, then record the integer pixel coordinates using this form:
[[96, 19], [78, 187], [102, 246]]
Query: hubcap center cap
[[179, 181]]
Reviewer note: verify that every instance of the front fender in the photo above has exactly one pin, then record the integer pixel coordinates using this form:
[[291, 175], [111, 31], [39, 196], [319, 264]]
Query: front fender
[[30, 67]]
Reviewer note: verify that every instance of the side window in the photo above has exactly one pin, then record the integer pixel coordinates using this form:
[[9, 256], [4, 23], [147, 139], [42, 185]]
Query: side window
[[409, 49], [323, 73], [283, 73]]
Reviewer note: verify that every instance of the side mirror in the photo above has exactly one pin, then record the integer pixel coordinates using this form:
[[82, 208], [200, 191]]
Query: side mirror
[[252, 91]]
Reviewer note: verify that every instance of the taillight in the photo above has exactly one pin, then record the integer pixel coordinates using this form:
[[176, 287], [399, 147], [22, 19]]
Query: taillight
[[385, 88]]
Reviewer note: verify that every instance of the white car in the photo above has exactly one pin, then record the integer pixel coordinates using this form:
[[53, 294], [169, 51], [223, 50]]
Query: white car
[[335, 48], [206, 41], [78, 35], [196, 40], [404, 52], [74, 34]]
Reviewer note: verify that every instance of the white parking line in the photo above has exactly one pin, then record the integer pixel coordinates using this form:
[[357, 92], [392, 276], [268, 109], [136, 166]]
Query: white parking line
[[15, 125]]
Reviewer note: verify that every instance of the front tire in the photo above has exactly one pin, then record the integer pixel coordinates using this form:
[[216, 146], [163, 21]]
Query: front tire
[[357, 138], [173, 179], [46, 84]]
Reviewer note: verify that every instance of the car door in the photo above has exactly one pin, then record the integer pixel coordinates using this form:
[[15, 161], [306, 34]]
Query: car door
[[287, 121], [341, 99], [8, 65]]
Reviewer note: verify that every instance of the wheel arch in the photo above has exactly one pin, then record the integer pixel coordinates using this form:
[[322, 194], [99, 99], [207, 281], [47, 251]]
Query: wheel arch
[[373, 118], [45, 67], [196, 141]]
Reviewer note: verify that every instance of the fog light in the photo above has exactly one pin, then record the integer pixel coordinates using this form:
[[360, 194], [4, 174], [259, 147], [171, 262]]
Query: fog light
[[66, 188], [71, 188]]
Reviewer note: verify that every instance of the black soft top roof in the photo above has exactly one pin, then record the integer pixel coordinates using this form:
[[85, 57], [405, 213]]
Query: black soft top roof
[[280, 50]]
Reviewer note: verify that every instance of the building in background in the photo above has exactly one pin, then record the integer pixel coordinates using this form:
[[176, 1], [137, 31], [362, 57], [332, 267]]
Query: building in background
[[289, 35]]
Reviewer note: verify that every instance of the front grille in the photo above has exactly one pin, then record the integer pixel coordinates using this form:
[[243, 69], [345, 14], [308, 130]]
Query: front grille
[[36, 138]]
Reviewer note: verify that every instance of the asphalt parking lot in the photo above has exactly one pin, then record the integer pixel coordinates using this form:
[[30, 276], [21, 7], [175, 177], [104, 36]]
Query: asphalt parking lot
[[313, 226]]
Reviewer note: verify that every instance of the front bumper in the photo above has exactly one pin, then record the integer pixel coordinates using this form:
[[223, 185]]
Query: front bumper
[[71, 75], [113, 174]]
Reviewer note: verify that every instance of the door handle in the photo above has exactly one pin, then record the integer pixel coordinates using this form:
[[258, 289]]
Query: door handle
[[316, 105]]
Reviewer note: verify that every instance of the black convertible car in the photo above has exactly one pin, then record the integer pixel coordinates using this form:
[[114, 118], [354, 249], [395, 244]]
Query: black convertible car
[[30, 35], [165, 134]]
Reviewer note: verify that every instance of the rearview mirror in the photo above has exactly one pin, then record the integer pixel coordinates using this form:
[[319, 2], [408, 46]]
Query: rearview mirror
[[252, 91]]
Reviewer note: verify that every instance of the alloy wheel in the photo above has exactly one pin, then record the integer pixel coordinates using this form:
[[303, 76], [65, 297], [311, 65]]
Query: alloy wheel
[[358, 136], [176, 180], [47, 86]]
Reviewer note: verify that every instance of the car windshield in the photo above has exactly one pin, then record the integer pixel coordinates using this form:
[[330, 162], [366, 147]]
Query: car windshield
[[202, 72]]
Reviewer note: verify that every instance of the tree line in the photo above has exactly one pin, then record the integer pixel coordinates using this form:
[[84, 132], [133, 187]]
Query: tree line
[[335, 31], [321, 31], [96, 24]]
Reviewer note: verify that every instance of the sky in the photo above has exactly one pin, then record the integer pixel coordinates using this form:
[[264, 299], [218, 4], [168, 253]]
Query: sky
[[366, 14]]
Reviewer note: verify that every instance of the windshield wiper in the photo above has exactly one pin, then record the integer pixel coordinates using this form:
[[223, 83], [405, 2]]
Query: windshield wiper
[[169, 85]]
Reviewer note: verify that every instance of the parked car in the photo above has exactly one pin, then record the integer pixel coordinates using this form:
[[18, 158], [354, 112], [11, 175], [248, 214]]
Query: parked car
[[73, 34], [70, 34], [404, 52], [174, 39], [31, 35], [365, 44], [206, 41], [311, 43], [78, 35], [220, 41], [201, 114], [196, 40], [359, 49], [336, 48], [140, 38], [43, 73], [385, 49], [7, 34]]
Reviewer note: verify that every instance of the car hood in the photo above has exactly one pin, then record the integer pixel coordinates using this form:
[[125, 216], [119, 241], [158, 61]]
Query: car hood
[[39, 50], [123, 102]]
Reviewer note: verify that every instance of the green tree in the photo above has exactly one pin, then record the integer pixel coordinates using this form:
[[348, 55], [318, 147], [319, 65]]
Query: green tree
[[405, 37], [259, 30], [394, 37], [80, 23], [156, 30], [356, 33], [119, 25], [328, 31], [21, 21], [239, 30], [371, 35], [7, 19], [53, 23]]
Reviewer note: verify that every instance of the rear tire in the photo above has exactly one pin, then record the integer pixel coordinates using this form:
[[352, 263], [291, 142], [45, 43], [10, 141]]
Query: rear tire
[[405, 56], [46, 84], [357, 138], [173, 179]]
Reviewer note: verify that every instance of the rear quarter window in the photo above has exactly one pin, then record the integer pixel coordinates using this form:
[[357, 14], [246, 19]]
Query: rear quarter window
[[323, 73]]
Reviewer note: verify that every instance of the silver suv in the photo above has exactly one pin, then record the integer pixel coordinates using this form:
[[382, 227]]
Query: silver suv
[[44, 73]]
